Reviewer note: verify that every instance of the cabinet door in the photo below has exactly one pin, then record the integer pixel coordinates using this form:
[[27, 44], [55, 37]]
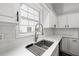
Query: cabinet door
[[73, 20], [62, 21], [65, 45], [53, 19], [49, 18], [45, 20], [8, 11], [74, 46]]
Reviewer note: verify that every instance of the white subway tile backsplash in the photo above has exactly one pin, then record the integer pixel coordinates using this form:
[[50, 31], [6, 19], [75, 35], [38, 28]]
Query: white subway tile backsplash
[[7, 35], [8, 31], [48, 31], [66, 32]]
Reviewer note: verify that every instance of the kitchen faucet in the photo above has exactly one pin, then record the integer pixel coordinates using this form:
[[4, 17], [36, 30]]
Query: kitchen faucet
[[36, 31]]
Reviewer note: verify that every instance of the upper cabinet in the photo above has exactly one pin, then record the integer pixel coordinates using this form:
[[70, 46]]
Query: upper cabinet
[[73, 20], [52, 20], [8, 12], [49, 18], [68, 21], [62, 21]]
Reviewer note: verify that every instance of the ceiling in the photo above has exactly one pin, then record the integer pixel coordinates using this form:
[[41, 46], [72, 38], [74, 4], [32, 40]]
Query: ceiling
[[65, 8]]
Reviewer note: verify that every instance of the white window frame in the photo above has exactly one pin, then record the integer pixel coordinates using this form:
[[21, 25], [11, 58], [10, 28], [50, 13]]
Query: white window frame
[[28, 19]]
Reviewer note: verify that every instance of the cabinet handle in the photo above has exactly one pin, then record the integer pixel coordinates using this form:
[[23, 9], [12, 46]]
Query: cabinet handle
[[74, 40], [17, 16]]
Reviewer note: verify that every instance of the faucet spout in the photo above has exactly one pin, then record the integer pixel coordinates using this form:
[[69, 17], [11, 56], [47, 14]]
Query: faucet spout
[[36, 31]]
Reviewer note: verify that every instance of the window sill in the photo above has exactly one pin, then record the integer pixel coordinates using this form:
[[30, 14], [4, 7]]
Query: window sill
[[25, 35]]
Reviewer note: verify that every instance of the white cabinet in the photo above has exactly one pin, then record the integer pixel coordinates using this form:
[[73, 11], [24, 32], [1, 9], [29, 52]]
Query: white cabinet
[[8, 12], [62, 21], [52, 19], [49, 18], [73, 20], [74, 46], [65, 45], [45, 20], [70, 46], [68, 21]]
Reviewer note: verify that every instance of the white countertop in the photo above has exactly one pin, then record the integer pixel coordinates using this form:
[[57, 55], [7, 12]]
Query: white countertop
[[20, 50]]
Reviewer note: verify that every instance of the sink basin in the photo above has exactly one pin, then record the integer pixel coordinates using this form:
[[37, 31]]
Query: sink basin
[[44, 44], [36, 50], [40, 47]]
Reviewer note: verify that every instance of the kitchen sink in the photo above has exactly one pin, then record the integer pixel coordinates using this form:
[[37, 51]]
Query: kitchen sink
[[44, 44], [40, 47]]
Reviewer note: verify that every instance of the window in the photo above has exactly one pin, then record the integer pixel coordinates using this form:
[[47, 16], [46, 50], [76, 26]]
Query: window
[[29, 17]]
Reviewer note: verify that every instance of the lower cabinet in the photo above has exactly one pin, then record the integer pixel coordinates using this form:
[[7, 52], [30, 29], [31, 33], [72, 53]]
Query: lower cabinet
[[65, 45], [74, 46], [70, 46]]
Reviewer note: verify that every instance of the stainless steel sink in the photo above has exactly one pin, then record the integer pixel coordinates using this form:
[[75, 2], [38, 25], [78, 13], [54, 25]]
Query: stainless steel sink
[[40, 47], [44, 44]]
